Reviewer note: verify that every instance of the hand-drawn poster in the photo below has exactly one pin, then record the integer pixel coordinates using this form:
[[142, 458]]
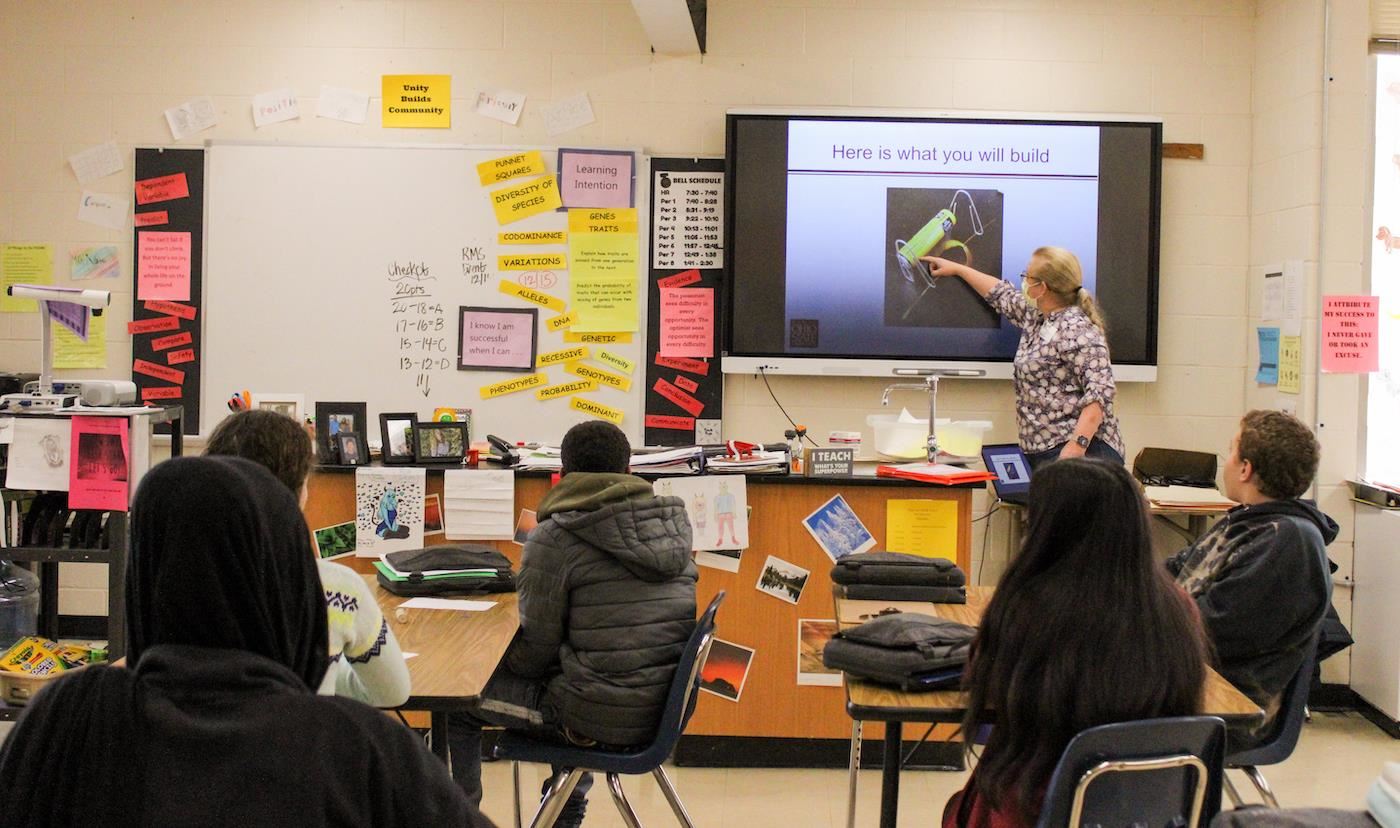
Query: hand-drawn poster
[[388, 510], [717, 506]]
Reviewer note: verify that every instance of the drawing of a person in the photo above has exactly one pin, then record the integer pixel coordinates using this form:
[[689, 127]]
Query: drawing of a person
[[697, 511], [387, 515], [724, 515]]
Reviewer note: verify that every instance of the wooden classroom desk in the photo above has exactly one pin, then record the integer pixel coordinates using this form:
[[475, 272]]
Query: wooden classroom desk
[[772, 705], [866, 701], [1196, 520]]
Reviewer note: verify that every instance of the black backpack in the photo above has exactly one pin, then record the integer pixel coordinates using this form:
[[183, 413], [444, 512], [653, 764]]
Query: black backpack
[[908, 650], [464, 568]]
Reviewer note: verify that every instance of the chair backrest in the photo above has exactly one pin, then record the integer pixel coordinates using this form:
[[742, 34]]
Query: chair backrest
[[1277, 745], [1167, 467], [1153, 772], [685, 685]]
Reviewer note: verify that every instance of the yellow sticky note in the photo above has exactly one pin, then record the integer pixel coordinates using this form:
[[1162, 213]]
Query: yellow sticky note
[[622, 364], [417, 101], [529, 198], [71, 352], [561, 321], [597, 220], [597, 338], [554, 392], [1290, 364], [510, 166], [532, 237], [510, 386], [600, 376], [533, 261], [538, 297], [596, 409], [603, 281], [566, 355], [922, 527], [24, 264]]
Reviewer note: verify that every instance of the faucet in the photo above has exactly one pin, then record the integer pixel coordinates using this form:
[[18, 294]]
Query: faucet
[[930, 384]]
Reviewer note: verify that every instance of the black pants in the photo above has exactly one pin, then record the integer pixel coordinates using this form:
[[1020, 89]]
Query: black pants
[[1097, 450], [516, 704]]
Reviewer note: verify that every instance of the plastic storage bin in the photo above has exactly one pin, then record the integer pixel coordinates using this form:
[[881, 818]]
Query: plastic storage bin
[[19, 604], [902, 438]]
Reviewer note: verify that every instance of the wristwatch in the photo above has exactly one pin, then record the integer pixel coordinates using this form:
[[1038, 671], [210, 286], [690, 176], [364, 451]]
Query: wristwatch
[[1081, 441]]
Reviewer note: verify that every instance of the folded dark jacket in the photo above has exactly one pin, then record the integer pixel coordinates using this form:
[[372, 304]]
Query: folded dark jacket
[[899, 649], [897, 568], [884, 592]]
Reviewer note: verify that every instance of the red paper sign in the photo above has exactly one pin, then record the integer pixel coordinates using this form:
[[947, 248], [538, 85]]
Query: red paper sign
[[673, 423], [692, 406], [172, 341], [164, 188], [152, 219], [687, 322], [160, 323], [1350, 329], [151, 369], [694, 366], [98, 473], [162, 392], [689, 277], [172, 308], [687, 384], [178, 357], [162, 265]]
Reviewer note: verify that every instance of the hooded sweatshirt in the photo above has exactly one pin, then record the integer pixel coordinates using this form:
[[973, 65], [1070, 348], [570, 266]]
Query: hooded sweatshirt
[[1260, 579], [607, 604]]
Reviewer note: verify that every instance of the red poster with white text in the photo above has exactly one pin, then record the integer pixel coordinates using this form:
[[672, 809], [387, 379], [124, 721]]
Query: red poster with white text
[[99, 466]]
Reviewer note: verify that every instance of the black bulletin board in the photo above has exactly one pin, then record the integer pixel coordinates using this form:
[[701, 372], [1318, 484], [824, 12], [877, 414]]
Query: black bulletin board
[[666, 422], [183, 213]]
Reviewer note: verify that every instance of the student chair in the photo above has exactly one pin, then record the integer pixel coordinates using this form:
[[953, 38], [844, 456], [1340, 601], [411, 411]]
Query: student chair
[[1175, 467], [1277, 745], [1151, 772], [680, 704]]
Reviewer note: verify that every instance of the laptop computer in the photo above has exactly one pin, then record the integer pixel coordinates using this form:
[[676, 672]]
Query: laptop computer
[[1012, 470]]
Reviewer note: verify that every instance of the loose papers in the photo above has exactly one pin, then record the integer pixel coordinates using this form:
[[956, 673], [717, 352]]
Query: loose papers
[[39, 454], [479, 505], [96, 162]]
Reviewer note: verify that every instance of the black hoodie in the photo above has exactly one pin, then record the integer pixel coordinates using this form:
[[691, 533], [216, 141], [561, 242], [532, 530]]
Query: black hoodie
[[1261, 581]]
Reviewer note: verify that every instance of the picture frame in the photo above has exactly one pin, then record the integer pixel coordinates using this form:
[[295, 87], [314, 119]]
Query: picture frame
[[440, 442], [331, 419], [397, 432], [351, 448], [497, 339], [293, 405]]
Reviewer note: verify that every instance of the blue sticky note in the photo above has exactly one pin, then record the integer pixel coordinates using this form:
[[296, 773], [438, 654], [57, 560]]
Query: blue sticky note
[[1268, 357]]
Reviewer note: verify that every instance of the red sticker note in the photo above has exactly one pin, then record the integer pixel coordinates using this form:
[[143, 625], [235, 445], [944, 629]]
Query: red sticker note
[[164, 188], [687, 384], [151, 369], [673, 423], [177, 357], [694, 366], [162, 392], [160, 323], [689, 277], [692, 406], [172, 308], [162, 265], [165, 343], [152, 219]]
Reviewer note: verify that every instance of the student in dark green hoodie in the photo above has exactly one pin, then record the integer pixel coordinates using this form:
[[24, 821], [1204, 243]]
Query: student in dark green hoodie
[[607, 603], [1260, 575]]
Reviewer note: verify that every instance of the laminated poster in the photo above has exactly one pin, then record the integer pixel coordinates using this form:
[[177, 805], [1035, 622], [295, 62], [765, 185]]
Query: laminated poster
[[388, 510]]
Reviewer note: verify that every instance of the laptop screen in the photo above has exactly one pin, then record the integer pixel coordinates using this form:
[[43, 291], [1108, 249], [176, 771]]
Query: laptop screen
[[1010, 466]]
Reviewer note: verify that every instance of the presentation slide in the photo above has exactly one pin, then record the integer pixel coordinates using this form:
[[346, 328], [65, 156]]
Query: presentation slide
[[866, 199]]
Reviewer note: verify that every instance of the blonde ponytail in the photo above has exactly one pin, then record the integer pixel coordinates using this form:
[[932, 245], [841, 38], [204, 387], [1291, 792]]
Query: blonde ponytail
[[1059, 270]]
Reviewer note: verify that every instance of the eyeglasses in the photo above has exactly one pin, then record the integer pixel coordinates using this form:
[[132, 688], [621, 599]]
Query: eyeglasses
[[1027, 277]]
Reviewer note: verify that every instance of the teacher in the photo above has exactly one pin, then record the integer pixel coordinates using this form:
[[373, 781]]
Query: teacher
[[1062, 376]]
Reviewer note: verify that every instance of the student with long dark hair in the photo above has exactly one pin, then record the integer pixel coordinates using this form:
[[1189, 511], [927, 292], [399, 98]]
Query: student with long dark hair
[[1085, 629]]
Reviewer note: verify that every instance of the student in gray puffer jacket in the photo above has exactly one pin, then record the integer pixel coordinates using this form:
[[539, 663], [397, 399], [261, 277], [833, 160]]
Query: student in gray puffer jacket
[[607, 603]]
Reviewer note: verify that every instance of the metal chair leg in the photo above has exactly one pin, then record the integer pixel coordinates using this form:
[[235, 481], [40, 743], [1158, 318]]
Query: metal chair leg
[[560, 787], [852, 774], [1262, 785], [515, 800], [667, 790], [623, 806], [1230, 791]]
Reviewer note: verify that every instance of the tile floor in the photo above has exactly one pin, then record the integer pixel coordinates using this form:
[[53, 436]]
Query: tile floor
[[1337, 758]]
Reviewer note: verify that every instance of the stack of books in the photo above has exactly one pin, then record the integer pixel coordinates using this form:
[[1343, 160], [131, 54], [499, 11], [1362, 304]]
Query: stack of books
[[684, 460], [759, 461]]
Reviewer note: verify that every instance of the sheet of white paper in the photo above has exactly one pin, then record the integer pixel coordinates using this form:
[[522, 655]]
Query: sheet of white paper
[[104, 210], [478, 505], [96, 162], [194, 115], [39, 454], [1273, 296], [457, 604], [717, 507], [407, 656], [342, 104], [388, 510], [275, 107], [1292, 298], [570, 113], [7, 430], [500, 104]]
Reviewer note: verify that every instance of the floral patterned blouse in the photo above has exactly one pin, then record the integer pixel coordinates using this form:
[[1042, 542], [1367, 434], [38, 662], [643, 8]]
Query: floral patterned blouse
[[1061, 366]]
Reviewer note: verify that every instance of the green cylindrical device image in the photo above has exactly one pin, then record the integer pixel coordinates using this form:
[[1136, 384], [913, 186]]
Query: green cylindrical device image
[[928, 236]]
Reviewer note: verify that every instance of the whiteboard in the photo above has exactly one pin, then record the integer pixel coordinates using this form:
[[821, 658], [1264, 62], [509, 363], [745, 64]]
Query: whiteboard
[[299, 295]]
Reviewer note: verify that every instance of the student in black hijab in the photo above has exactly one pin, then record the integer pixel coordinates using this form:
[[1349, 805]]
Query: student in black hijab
[[217, 721]]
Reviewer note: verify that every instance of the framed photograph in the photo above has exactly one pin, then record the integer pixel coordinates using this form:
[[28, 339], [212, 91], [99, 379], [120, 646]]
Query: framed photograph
[[396, 433], [331, 419], [293, 405], [352, 448], [440, 442], [496, 339]]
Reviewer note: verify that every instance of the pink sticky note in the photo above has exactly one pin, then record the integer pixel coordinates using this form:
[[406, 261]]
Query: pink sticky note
[[97, 470], [687, 322], [162, 265], [1350, 327], [595, 179]]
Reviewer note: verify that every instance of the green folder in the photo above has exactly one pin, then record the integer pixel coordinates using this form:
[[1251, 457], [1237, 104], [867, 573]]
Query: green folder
[[463, 573]]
